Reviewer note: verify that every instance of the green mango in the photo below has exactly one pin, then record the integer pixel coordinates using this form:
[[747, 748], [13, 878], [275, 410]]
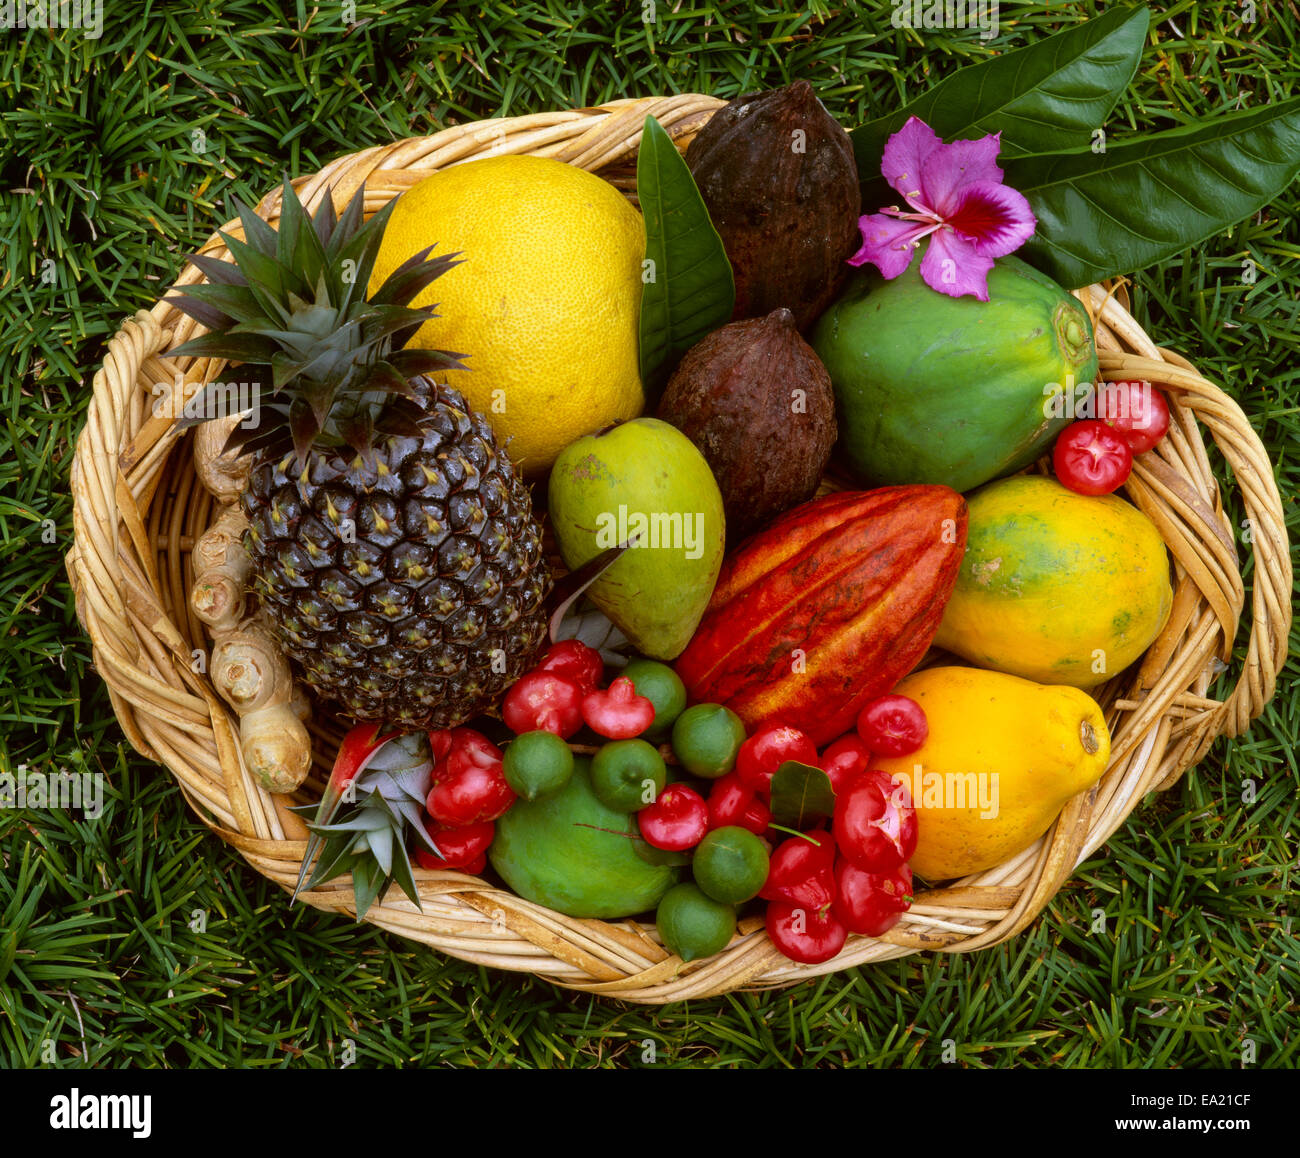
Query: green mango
[[569, 852], [936, 389], [642, 481]]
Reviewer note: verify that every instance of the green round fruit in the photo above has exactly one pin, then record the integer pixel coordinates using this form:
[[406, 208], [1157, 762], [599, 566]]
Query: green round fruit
[[537, 764], [706, 739], [693, 924], [730, 865], [662, 687], [569, 852], [628, 774]]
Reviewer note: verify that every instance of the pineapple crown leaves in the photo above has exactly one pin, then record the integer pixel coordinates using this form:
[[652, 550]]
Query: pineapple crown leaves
[[390, 779], [325, 361]]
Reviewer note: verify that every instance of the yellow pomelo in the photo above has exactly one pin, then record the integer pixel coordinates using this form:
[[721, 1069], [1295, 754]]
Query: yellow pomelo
[[1002, 758], [544, 302]]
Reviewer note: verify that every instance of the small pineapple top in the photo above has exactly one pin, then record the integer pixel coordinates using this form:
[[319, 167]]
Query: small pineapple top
[[328, 365]]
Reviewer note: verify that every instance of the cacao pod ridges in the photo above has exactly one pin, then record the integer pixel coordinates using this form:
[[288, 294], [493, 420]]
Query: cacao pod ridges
[[828, 608]]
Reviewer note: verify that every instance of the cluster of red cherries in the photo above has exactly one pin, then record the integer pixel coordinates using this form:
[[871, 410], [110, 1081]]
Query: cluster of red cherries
[[1094, 456], [845, 874], [469, 786], [823, 885]]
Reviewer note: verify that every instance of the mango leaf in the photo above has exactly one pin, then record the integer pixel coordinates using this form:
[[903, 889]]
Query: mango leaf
[[1047, 96], [687, 286], [569, 589], [801, 795], [1141, 201]]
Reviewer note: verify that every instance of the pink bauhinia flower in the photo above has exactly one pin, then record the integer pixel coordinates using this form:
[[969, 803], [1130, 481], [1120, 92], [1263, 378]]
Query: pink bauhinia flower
[[957, 200]]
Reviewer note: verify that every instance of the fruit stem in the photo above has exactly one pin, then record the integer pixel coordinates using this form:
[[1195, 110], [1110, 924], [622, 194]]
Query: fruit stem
[[613, 831], [795, 832]]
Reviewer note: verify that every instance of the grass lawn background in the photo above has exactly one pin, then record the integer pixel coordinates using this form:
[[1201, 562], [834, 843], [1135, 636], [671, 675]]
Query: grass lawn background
[[119, 155]]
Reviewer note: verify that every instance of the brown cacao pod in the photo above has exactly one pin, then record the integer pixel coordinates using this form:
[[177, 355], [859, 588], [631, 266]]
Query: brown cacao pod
[[758, 403], [778, 176], [828, 608]]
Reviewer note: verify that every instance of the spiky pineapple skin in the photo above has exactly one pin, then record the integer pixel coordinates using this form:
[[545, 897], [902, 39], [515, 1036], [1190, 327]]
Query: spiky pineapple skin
[[411, 590]]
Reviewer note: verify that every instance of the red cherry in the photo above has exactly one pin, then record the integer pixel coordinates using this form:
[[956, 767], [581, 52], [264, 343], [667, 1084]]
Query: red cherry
[[460, 846], [767, 749], [440, 743], [893, 726], [582, 664], [677, 820], [875, 823], [871, 903], [844, 759], [808, 936], [732, 803], [1091, 458], [802, 871], [469, 785], [618, 713], [1136, 410], [543, 701]]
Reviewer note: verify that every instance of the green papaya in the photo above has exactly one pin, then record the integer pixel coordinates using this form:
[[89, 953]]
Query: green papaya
[[953, 391]]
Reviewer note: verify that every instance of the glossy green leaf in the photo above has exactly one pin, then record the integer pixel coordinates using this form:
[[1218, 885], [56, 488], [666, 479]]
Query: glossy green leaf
[[1140, 202], [1048, 96], [687, 289], [801, 795]]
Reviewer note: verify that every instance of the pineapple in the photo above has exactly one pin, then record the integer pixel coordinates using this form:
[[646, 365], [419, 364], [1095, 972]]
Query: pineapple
[[392, 542], [371, 802]]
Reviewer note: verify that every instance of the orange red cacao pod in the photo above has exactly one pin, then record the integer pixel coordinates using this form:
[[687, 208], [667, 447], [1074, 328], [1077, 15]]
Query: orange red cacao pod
[[828, 608]]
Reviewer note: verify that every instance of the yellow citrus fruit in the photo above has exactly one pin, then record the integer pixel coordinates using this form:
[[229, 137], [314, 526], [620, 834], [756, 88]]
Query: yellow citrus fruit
[[544, 302]]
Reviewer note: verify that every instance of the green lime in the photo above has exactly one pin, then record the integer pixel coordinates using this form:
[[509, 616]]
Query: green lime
[[537, 764], [730, 864], [626, 775], [692, 924], [706, 739], [663, 688]]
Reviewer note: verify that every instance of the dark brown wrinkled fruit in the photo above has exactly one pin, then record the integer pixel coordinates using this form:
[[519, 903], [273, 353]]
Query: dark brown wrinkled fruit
[[779, 179], [758, 404]]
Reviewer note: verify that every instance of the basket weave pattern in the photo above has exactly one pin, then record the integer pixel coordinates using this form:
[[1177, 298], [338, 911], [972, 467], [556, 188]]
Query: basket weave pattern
[[138, 509]]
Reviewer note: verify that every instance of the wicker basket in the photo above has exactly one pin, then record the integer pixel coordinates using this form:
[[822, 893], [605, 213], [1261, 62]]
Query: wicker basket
[[139, 508]]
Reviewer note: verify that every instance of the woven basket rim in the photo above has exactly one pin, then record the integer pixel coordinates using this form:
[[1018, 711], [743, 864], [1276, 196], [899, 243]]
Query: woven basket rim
[[138, 509]]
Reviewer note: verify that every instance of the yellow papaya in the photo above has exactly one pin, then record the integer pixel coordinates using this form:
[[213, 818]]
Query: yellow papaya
[[1055, 586], [1002, 758]]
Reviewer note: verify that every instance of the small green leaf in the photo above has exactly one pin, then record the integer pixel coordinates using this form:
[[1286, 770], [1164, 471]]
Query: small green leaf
[[687, 286], [801, 795], [1146, 200], [1048, 96]]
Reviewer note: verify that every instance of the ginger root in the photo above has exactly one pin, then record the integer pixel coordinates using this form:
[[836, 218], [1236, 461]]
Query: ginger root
[[222, 566], [248, 669], [252, 675], [224, 475]]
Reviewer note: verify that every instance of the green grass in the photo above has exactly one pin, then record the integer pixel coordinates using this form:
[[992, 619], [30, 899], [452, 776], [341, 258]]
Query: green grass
[[139, 940]]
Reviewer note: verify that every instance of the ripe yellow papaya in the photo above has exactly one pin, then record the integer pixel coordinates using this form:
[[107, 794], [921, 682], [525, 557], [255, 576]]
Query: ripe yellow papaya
[[1002, 758], [1055, 586]]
